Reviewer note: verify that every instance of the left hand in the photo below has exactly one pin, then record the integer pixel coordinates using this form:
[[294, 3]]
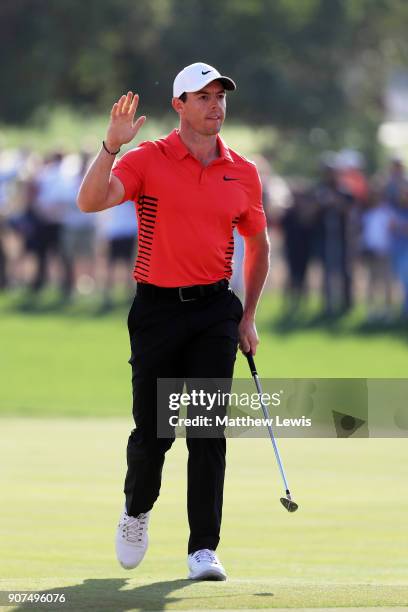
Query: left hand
[[248, 336]]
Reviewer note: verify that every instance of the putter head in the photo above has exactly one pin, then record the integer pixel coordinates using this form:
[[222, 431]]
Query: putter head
[[289, 504]]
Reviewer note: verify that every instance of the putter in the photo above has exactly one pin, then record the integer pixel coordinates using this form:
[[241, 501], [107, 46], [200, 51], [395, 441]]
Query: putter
[[287, 501]]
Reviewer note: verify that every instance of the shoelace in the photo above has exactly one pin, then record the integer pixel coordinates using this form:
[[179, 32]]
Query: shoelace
[[205, 555], [133, 527]]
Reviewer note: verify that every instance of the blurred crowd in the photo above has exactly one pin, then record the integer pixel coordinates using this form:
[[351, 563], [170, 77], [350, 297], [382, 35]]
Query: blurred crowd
[[342, 224], [46, 240], [349, 224]]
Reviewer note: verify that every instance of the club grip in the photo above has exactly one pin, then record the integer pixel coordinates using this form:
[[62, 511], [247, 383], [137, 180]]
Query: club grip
[[251, 363]]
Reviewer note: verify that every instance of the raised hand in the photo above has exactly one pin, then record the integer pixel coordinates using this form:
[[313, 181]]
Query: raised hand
[[122, 128]]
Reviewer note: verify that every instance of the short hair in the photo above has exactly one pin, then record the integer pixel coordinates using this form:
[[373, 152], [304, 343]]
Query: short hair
[[183, 97]]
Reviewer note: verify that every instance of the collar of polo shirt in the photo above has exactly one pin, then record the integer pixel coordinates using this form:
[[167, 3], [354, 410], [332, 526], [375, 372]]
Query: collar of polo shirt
[[181, 151]]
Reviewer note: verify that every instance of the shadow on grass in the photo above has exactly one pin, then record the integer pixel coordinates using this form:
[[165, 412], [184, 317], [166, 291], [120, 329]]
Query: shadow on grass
[[351, 323], [111, 595], [49, 303], [119, 595], [114, 595], [281, 322]]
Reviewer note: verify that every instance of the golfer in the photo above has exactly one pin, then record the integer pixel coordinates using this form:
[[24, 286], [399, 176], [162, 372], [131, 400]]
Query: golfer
[[190, 191]]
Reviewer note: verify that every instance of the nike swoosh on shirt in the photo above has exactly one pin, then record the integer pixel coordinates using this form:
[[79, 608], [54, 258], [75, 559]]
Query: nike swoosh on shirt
[[230, 178], [207, 71]]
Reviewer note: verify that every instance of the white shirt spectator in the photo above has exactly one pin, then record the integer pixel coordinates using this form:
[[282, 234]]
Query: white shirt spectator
[[50, 193], [118, 222], [71, 178], [376, 235]]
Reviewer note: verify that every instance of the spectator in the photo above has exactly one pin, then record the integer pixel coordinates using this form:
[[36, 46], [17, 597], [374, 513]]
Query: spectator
[[298, 223], [5, 174], [77, 233], [375, 245], [351, 178], [335, 206], [399, 246], [117, 228], [49, 209], [396, 183]]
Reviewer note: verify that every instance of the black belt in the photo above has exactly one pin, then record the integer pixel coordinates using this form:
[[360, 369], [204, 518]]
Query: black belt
[[182, 294]]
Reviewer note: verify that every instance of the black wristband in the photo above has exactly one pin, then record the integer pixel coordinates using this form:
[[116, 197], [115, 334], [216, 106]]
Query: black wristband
[[107, 150]]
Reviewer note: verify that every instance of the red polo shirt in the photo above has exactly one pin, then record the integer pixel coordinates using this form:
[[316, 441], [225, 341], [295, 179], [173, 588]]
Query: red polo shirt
[[187, 212]]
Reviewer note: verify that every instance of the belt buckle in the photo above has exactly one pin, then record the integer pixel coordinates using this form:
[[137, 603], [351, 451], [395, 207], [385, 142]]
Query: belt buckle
[[183, 299]]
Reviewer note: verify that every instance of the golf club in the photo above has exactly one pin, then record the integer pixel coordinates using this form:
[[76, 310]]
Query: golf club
[[287, 501]]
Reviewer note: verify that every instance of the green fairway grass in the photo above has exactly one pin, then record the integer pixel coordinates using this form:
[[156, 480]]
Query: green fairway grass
[[62, 470], [73, 361], [347, 545]]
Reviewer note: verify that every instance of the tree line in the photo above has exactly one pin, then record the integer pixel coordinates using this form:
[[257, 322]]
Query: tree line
[[299, 64]]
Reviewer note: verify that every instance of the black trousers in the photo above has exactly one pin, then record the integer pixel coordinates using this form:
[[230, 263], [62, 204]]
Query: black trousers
[[48, 241], [173, 339]]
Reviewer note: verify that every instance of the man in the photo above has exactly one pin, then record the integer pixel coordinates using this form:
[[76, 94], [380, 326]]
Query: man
[[334, 237], [191, 191]]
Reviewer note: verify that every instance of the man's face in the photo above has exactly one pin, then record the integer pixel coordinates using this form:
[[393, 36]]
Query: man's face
[[204, 110]]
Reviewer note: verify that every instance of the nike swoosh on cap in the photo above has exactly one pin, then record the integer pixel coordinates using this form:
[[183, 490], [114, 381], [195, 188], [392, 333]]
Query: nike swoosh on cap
[[206, 72], [230, 178]]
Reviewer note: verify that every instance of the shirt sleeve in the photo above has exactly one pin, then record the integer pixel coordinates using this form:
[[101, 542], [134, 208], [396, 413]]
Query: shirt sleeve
[[130, 169], [253, 220]]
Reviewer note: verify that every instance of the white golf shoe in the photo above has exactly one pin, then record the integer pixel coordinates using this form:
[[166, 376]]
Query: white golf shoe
[[205, 565], [132, 539]]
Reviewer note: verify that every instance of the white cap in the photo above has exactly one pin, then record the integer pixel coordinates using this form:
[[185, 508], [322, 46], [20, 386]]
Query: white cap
[[196, 76], [349, 158]]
